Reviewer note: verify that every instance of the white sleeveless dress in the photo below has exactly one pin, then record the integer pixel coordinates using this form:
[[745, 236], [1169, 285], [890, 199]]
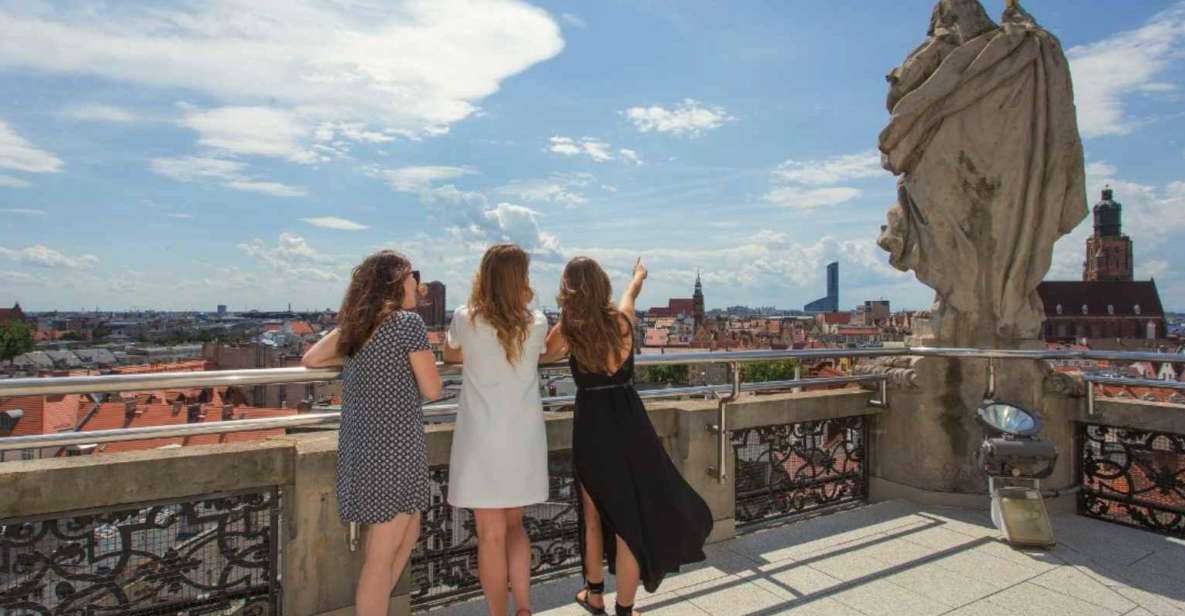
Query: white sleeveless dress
[[499, 453]]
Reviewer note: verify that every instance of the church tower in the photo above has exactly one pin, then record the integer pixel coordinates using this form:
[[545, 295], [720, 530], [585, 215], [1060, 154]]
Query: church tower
[[698, 302], [1108, 251]]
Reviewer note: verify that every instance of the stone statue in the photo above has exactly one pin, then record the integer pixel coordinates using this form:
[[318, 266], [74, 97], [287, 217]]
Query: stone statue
[[984, 136]]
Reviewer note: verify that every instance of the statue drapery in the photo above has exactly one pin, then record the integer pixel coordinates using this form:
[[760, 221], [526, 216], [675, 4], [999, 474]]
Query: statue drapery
[[984, 136]]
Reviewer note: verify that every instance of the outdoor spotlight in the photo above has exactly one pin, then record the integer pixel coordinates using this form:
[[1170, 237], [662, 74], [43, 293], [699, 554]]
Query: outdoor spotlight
[[1016, 460]]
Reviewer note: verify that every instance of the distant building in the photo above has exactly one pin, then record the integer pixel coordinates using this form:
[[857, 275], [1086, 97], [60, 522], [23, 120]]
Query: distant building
[[831, 302], [697, 300], [12, 314], [221, 310], [1108, 250], [682, 307], [1102, 309], [1106, 303], [877, 312], [431, 309]]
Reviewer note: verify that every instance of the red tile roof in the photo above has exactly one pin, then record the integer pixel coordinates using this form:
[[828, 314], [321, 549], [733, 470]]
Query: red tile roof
[[301, 328]]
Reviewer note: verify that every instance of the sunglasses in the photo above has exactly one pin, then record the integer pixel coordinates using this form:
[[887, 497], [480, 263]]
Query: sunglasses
[[416, 274]]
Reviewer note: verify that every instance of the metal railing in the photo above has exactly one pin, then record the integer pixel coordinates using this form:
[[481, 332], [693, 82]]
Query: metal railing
[[724, 393]]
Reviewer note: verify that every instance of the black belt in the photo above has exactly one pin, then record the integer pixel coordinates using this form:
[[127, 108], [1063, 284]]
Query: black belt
[[600, 387]]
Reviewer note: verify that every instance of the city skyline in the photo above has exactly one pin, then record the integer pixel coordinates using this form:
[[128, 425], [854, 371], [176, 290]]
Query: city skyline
[[185, 167]]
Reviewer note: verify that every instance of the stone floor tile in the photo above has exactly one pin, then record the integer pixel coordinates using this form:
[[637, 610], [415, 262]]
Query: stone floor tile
[[730, 596], [1028, 598], [850, 566], [882, 598], [987, 568], [942, 585], [983, 608], [792, 580], [1073, 582]]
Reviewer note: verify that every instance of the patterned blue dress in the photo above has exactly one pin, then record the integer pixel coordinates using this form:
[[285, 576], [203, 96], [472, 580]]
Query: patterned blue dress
[[382, 467]]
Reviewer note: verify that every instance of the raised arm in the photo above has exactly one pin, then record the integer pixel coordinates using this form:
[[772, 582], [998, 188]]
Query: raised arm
[[324, 353], [626, 306]]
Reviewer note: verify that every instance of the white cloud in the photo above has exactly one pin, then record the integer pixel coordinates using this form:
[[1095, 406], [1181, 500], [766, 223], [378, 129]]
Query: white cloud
[[573, 20], [1108, 71], [809, 198], [557, 189], [468, 218], [260, 131], [415, 179], [98, 112], [333, 222], [274, 189], [43, 256], [835, 170], [180, 216], [23, 212], [293, 258], [228, 173], [17, 277], [591, 147], [7, 181], [630, 155], [690, 118], [410, 68], [18, 154]]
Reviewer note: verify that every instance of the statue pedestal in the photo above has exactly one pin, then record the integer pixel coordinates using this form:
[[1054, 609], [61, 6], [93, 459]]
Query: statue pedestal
[[926, 447]]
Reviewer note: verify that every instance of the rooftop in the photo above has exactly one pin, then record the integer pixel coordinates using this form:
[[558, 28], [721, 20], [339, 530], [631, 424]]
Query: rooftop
[[899, 558]]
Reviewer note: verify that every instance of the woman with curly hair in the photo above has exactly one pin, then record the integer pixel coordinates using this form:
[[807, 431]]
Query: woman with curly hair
[[636, 511], [498, 462], [387, 370]]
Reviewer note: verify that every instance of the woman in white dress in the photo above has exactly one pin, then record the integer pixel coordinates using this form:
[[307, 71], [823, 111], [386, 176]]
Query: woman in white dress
[[498, 463]]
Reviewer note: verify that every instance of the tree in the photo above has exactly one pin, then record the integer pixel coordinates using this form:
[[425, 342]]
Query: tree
[[762, 371], [16, 338], [671, 374]]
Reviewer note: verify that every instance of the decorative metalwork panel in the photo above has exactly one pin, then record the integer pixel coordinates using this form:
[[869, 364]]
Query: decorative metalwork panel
[[796, 469], [1133, 477], [444, 564], [215, 554]]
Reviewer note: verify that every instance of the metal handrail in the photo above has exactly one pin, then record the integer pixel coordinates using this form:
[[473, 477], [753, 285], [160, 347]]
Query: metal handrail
[[266, 376], [1094, 379], [66, 439]]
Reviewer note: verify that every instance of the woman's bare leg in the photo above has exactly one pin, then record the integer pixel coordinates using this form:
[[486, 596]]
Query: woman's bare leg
[[594, 549], [491, 558], [628, 573], [518, 559], [383, 544], [410, 537]]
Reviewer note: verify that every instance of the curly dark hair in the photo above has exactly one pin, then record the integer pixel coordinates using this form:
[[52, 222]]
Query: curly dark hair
[[376, 290], [594, 329]]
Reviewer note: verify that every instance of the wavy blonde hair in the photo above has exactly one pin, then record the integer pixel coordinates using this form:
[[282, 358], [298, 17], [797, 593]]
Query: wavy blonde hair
[[500, 295]]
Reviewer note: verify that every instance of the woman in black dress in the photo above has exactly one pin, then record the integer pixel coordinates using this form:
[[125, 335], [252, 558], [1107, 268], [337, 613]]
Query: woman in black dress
[[637, 511]]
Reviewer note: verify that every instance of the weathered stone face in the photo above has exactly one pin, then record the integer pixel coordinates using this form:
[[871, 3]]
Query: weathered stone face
[[984, 137]]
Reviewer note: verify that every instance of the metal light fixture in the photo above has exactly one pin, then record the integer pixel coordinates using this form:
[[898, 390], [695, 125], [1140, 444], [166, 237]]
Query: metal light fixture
[[1016, 460]]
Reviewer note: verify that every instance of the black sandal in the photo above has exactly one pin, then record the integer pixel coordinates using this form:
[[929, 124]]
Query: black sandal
[[623, 610], [590, 589]]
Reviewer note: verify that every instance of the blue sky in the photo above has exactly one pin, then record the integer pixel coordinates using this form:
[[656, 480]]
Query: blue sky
[[183, 155]]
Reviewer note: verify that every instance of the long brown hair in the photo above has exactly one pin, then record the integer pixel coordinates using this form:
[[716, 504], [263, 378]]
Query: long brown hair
[[500, 294], [376, 290], [589, 321]]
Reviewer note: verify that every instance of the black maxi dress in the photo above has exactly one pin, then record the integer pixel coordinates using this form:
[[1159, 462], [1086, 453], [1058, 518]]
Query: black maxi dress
[[637, 490]]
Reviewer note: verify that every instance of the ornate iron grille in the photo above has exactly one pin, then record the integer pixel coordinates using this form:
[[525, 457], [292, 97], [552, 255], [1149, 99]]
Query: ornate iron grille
[[214, 554], [444, 564], [1133, 477], [796, 469]]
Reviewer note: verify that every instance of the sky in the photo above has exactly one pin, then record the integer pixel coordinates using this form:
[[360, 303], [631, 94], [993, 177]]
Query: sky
[[186, 154]]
